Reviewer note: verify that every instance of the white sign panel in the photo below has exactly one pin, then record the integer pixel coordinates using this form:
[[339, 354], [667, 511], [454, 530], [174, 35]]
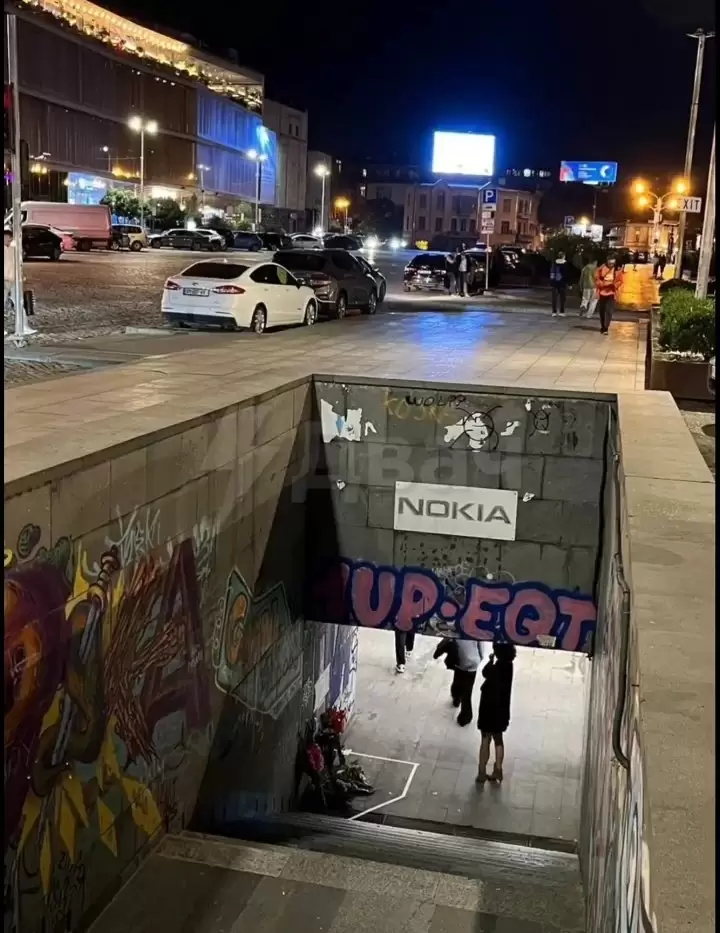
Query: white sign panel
[[689, 205], [487, 223], [467, 511]]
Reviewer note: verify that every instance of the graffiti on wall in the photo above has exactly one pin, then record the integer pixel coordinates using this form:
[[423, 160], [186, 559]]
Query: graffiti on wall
[[410, 598], [257, 662], [104, 668]]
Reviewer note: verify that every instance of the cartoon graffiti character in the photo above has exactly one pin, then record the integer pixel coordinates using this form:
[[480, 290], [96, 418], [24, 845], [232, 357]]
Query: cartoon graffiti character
[[477, 427]]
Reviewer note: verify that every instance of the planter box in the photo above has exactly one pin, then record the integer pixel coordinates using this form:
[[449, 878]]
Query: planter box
[[683, 379]]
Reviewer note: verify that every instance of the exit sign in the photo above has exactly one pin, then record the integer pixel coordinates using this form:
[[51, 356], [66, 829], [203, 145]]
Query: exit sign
[[689, 205]]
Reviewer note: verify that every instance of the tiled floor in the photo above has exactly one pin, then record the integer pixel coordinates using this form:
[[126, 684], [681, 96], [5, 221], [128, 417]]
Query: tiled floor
[[47, 422], [409, 717]]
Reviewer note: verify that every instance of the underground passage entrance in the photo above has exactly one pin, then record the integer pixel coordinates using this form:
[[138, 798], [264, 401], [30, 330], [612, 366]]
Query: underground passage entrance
[[356, 511]]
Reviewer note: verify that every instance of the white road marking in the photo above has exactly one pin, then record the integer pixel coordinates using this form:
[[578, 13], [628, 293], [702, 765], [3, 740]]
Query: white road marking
[[414, 765]]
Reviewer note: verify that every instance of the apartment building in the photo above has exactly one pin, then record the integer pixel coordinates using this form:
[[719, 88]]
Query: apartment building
[[450, 213], [290, 126]]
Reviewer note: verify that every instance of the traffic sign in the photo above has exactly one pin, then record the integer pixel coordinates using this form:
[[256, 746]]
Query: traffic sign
[[689, 205], [569, 220], [490, 196], [487, 224]]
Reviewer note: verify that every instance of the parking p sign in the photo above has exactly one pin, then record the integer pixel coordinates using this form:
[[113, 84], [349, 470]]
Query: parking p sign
[[490, 196]]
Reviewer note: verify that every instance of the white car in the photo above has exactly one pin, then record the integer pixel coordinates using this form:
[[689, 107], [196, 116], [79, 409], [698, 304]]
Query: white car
[[306, 241], [236, 295]]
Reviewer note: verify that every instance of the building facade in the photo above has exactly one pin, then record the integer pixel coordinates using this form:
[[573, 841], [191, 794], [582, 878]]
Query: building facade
[[291, 130], [448, 214], [83, 72]]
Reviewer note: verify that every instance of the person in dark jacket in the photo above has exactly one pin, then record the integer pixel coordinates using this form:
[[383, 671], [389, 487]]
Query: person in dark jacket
[[558, 283], [494, 713], [450, 273], [463, 657]]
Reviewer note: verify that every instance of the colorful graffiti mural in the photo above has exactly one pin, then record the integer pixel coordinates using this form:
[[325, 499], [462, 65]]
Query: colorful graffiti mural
[[96, 664], [411, 598]]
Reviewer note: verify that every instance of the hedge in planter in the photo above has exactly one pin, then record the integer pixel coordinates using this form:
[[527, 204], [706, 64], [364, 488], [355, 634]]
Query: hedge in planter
[[687, 323]]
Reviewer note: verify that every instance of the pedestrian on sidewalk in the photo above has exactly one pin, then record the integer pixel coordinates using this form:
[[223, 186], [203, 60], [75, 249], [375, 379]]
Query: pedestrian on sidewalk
[[462, 268], [8, 269], [587, 288], [450, 273], [608, 282], [636, 260], [662, 262], [463, 657], [558, 282], [494, 714], [404, 645]]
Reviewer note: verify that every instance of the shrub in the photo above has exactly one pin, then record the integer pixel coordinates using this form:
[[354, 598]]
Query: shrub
[[687, 323]]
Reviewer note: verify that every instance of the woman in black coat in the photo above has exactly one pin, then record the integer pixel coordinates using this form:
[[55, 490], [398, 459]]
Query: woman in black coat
[[494, 714]]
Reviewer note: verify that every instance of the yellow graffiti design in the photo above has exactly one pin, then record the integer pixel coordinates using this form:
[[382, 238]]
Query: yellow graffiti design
[[67, 826], [53, 714], [9, 558], [73, 788], [46, 861], [31, 814], [143, 807], [108, 757], [106, 823]]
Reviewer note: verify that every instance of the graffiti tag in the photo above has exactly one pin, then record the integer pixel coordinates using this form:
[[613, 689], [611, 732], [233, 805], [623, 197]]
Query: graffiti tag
[[409, 598], [428, 408], [137, 536]]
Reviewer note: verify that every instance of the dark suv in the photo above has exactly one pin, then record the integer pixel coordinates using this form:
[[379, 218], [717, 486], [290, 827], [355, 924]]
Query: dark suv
[[337, 278], [39, 240]]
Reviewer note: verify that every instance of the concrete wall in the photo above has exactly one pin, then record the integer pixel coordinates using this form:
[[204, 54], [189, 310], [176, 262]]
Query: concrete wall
[[157, 669], [615, 830], [550, 450]]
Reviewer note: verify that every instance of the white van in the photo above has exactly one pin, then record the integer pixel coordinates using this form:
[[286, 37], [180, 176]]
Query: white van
[[89, 224]]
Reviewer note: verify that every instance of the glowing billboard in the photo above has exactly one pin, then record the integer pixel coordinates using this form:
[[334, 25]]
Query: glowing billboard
[[463, 154], [589, 173]]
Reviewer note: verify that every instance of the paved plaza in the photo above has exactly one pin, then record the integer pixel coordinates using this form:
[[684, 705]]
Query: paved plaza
[[404, 730]]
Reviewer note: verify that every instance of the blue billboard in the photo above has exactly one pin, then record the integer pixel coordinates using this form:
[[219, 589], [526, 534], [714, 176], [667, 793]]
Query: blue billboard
[[589, 173]]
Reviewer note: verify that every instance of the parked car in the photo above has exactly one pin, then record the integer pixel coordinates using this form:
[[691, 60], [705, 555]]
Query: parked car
[[342, 241], [338, 279], [180, 238], [379, 278], [234, 295], [88, 223], [39, 241], [305, 241], [129, 236], [226, 233], [216, 236], [246, 240], [425, 272], [274, 241]]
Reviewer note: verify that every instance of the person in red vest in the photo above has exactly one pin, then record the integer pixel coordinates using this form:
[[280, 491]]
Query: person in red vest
[[608, 282]]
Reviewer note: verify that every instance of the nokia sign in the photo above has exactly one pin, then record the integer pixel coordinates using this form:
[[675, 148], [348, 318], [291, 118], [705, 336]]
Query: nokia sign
[[456, 510]]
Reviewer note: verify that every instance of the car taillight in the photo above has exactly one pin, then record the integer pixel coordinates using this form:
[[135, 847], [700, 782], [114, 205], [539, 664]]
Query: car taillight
[[171, 286], [228, 290]]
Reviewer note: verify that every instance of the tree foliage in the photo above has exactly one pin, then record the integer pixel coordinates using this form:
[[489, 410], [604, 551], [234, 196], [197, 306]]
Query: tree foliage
[[124, 204], [578, 249], [380, 216]]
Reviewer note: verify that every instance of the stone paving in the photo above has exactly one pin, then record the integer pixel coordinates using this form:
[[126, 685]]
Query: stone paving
[[409, 718]]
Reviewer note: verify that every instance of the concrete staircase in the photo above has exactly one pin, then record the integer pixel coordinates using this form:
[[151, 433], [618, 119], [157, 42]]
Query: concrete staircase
[[331, 876]]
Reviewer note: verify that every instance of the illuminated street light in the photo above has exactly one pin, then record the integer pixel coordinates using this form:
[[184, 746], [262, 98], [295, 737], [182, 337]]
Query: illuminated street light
[[258, 158], [584, 221], [202, 169], [323, 171], [668, 201], [138, 125], [342, 204]]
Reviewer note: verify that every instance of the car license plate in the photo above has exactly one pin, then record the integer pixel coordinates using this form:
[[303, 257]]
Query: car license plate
[[203, 292]]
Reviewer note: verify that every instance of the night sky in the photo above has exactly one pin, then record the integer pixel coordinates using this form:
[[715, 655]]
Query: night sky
[[552, 80]]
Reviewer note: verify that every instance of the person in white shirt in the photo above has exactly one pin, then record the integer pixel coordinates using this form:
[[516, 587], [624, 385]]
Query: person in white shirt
[[8, 269], [463, 659], [462, 268]]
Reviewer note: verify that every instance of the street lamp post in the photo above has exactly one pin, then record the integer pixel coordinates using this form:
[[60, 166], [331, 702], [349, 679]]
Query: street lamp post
[[702, 37], [659, 203], [258, 158], [707, 242], [342, 204], [108, 153], [138, 125], [323, 171], [202, 169]]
